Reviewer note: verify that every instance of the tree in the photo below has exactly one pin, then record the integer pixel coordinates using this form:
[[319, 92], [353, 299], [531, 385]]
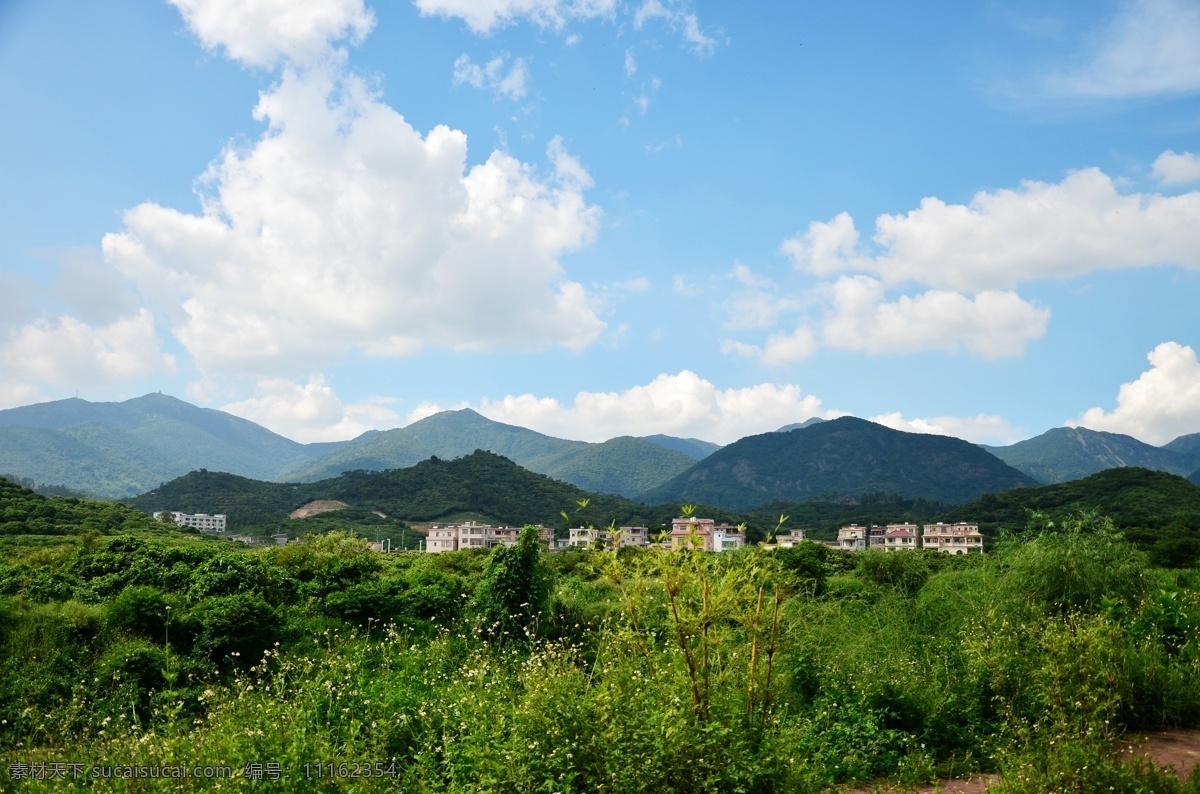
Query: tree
[[514, 589]]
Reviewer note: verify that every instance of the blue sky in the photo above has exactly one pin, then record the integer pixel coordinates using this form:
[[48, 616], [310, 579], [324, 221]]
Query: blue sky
[[607, 217]]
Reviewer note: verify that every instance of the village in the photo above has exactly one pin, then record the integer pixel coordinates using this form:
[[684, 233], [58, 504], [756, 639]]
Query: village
[[703, 534]]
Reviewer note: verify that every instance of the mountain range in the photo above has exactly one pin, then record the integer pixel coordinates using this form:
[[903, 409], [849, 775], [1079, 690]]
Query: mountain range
[[1069, 453], [118, 450]]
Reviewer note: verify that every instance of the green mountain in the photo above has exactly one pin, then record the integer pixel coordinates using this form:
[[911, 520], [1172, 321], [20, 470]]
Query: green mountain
[[692, 447], [844, 457], [1188, 446], [1137, 500], [1068, 453], [800, 425], [482, 483], [625, 466], [121, 449]]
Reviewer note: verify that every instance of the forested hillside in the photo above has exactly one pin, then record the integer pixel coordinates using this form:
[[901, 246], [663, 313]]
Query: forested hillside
[[481, 483], [841, 458]]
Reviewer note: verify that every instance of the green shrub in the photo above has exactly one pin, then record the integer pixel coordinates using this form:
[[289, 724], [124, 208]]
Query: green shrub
[[140, 610], [241, 626], [907, 571], [1079, 565]]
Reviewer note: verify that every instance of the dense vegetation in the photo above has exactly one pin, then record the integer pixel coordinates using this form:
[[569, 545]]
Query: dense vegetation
[[840, 458], [1069, 453], [625, 670]]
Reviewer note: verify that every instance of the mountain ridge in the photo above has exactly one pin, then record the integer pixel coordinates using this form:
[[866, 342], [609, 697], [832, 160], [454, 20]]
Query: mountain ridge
[[844, 457]]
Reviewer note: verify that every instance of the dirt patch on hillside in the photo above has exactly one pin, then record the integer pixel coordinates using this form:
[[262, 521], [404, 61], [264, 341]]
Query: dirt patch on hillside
[[318, 507]]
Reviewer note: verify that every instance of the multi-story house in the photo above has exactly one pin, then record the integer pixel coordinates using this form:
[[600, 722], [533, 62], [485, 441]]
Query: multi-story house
[[588, 537], [852, 537], [900, 537], [877, 537], [706, 534], [793, 537], [959, 538], [442, 539], [472, 535]]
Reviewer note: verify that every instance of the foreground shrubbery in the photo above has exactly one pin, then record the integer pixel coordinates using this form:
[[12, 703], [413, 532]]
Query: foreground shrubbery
[[794, 670]]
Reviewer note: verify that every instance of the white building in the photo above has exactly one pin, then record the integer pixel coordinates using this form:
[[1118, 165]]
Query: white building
[[201, 521], [793, 537], [959, 538]]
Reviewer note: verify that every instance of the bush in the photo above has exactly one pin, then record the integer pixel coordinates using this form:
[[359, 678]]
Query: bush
[[140, 610], [241, 625], [514, 590], [1080, 565], [907, 571]]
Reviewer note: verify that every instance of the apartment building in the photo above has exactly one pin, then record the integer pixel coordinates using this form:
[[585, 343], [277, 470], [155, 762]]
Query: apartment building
[[201, 521]]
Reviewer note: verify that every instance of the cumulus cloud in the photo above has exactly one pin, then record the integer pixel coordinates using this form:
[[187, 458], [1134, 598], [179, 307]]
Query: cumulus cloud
[[312, 411], [343, 227], [1162, 404], [68, 350], [682, 405], [266, 32], [485, 16], [1148, 49], [496, 75], [978, 429], [992, 324], [1177, 169], [1041, 230]]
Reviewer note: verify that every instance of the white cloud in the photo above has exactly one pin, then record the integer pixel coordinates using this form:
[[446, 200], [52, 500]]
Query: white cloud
[[991, 325], [630, 64], [312, 411], [1003, 238], [266, 32], [17, 394], [978, 429], [1177, 169], [758, 305], [682, 405], [1150, 48], [1162, 404], [485, 16], [513, 83], [681, 19], [343, 227], [780, 349], [67, 350]]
